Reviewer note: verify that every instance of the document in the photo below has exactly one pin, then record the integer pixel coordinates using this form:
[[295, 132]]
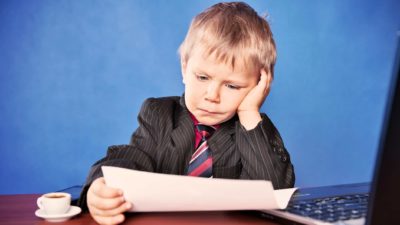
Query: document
[[154, 192]]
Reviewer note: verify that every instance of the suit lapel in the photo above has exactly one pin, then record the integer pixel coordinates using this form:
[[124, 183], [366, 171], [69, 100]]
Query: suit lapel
[[183, 135], [222, 139]]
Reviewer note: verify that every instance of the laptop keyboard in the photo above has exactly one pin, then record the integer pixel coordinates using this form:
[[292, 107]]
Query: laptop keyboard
[[332, 209]]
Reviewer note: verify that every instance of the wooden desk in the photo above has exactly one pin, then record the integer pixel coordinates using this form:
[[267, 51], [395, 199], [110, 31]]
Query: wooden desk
[[20, 209]]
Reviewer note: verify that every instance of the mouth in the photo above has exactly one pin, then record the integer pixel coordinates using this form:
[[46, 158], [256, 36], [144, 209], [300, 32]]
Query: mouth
[[210, 112]]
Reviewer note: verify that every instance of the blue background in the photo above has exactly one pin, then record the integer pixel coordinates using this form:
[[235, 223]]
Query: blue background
[[73, 75]]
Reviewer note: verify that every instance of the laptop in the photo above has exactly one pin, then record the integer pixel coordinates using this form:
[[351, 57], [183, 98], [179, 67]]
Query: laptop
[[377, 202]]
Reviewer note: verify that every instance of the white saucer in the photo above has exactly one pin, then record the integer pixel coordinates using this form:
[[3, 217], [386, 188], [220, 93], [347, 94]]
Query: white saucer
[[73, 211]]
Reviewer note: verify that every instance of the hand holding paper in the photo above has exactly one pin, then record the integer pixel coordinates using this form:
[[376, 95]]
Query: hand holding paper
[[151, 192]]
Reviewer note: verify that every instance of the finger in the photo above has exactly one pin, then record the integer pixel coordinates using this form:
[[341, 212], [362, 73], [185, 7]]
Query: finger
[[109, 220], [263, 80], [102, 190], [105, 203], [266, 79], [111, 212]]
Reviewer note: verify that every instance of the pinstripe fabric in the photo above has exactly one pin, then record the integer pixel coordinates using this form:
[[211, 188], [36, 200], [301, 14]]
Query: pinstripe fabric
[[164, 143]]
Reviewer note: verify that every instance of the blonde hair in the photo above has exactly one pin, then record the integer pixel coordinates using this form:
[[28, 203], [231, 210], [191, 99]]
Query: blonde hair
[[234, 33]]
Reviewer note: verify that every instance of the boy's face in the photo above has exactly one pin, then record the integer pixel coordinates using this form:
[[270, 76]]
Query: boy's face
[[214, 91]]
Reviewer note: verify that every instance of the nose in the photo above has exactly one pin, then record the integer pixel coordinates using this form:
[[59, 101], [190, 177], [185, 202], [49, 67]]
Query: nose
[[213, 94]]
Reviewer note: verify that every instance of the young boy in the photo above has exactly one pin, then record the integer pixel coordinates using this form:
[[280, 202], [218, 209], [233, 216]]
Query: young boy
[[227, 61]]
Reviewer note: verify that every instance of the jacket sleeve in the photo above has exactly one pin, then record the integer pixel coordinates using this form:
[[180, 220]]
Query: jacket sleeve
[[263, 154], [139, 154]]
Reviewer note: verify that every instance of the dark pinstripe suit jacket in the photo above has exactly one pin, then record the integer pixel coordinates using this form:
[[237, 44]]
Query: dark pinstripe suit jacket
[[165, 139]]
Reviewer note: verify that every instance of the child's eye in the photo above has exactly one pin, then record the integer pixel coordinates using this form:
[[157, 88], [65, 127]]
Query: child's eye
[[233, 87], [201, 77]]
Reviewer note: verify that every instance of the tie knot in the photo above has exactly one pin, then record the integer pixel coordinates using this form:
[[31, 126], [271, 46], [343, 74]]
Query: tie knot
[[205, 131]]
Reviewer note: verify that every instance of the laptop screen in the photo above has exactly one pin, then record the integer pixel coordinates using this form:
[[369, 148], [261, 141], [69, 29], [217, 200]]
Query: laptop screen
[[384, 207]]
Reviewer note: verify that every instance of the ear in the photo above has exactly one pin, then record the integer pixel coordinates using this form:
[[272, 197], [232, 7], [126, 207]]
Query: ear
[[183, 69]]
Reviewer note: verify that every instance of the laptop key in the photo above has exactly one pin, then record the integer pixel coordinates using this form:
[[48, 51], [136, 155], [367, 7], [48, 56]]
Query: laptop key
[[332, 209]]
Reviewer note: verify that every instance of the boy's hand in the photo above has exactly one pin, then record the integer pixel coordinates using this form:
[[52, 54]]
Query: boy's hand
[[106, 204], [249, 110]]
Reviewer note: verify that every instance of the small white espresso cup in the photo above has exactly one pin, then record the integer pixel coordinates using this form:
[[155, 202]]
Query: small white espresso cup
[[55, 202]]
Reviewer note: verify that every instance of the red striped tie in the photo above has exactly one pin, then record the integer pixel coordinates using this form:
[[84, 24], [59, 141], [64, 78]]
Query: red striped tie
[[201, 163]]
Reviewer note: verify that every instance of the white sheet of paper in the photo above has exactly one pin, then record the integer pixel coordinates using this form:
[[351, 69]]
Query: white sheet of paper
[[152, 192]]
